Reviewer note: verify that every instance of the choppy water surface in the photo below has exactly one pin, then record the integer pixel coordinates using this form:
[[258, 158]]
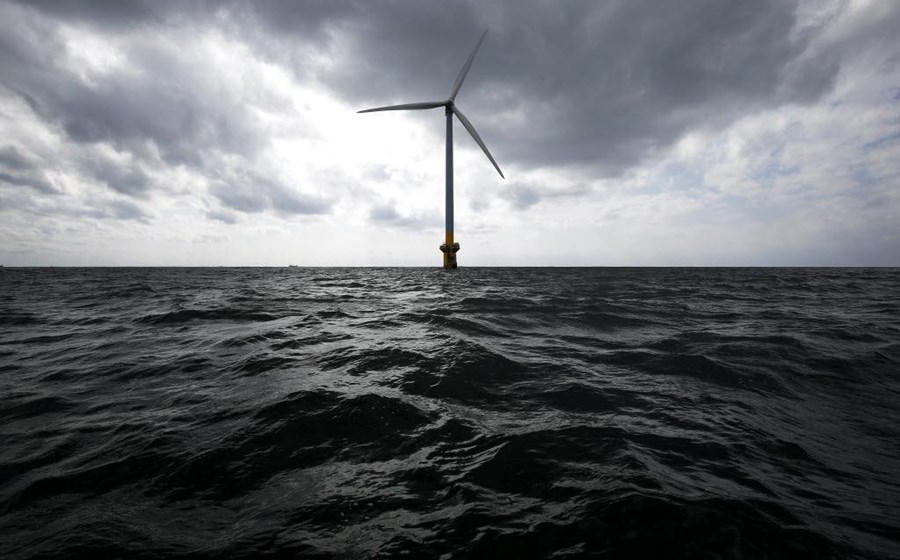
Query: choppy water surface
[[362, 413]]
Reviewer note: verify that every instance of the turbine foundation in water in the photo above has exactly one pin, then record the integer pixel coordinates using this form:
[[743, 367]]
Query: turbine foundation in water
[[449, 248]]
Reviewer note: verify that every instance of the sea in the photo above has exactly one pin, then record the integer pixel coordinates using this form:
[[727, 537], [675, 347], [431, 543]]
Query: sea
[[472, 413]]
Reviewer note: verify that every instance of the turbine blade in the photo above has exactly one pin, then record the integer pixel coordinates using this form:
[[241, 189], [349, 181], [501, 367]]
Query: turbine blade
[[465, 122], [465, 69], [407, 106]]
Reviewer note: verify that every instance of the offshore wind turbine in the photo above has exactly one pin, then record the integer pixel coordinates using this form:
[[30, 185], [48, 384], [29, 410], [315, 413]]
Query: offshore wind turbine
[[449, 247]]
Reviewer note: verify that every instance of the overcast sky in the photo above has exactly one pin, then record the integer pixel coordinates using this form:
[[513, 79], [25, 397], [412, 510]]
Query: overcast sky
[[631, 132]]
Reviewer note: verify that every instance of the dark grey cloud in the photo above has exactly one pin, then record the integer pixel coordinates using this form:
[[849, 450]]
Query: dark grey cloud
[[121, 210], [12, 158], [525, 194], [17, 169], [254, 194], [26, 181], [598, 84], [287, 201], [240, 197], [126, 179], [160, 109], [384, 214], [521, 196], [110, 13], [601, 85], [387, 215], [27, 203], [164, 107], [223, 216]]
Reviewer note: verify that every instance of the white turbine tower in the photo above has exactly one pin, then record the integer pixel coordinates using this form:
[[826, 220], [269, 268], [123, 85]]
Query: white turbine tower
[[449, 248]]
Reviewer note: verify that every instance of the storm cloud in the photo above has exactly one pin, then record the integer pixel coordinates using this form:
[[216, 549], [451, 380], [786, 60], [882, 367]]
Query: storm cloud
[[224, 105]]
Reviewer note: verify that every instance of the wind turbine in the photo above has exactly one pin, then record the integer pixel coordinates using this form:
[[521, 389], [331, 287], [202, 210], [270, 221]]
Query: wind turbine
[[449, 247]]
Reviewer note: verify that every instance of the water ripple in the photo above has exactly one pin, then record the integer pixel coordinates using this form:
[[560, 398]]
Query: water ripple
[[372, 413]]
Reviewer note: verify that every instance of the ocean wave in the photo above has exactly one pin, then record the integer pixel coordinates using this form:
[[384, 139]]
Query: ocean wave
[[371, 413]]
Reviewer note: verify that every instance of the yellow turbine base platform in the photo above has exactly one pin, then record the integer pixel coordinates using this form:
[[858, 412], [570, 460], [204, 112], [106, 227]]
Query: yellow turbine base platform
[[449, 248]]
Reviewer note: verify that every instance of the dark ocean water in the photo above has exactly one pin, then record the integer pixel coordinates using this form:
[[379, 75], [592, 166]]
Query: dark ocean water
[[369, 413]]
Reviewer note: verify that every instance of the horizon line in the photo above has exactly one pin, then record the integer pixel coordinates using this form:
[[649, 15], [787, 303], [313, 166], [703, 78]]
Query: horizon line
[[475, 266]]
